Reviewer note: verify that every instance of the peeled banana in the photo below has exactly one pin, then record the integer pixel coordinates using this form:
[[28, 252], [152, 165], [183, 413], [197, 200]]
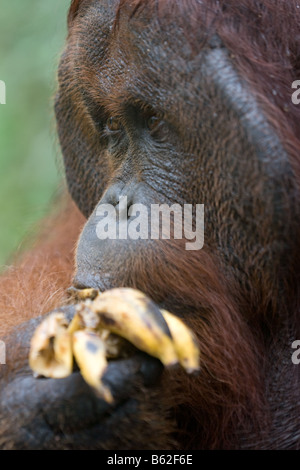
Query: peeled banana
[[107, 326], [89, 352], [185, 343], [132, 315], [51, 348]]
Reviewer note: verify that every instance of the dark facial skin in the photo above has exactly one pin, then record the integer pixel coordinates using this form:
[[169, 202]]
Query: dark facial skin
[[143, 114], [185, 129]]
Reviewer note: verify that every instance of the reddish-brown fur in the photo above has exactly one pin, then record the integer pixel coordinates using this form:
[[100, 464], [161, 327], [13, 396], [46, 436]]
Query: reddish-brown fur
[[37, 282], [230, 385], [230, 390]]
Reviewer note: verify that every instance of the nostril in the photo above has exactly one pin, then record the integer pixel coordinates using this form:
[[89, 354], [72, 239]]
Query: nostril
[[112, 195], [123, 206]]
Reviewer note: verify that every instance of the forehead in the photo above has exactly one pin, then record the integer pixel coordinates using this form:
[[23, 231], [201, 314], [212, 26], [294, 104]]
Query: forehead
[[134, 53]]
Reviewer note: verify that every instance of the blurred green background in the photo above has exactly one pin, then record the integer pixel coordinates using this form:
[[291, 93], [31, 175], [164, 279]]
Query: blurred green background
[[32, 34]]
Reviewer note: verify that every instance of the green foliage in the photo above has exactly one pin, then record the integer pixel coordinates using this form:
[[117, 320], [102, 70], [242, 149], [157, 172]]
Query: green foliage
[[32, 34]]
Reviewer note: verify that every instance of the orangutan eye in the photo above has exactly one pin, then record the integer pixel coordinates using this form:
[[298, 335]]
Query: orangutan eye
[[113, 124], [153, 121]]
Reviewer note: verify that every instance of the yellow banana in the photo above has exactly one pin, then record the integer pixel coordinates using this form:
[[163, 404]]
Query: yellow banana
[[84, 318], [90, 354], [116, 347], [110, 326], [51, 348], [130, 314], [184, 342]]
